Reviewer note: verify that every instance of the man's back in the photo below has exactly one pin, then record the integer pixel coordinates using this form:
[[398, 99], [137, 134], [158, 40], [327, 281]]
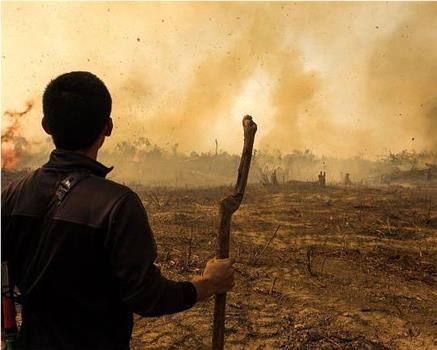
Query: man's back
[[97, 254], [90, 266]]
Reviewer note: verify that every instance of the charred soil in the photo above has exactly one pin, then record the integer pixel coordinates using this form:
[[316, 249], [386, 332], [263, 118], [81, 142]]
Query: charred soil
[[349, 268]]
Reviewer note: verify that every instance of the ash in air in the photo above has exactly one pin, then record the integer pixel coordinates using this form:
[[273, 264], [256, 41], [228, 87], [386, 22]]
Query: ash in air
[[359, 82]]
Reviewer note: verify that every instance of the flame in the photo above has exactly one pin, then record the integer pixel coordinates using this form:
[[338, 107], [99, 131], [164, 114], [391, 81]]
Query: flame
[[12, 143]]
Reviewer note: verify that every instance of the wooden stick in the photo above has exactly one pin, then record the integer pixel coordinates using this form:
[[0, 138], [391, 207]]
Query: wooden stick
[[272, 286], [258, 256], [227, 207], [190, 243]]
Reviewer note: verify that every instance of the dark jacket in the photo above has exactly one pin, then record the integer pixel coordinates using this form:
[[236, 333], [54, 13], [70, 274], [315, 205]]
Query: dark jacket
[[99, 252]]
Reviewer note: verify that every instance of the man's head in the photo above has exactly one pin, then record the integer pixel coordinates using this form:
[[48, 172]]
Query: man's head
[[77, 108]]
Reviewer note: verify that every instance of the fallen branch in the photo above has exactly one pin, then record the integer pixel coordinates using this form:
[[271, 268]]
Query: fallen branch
[[258, 256], [228, 206], [309, 261], [272, 286]]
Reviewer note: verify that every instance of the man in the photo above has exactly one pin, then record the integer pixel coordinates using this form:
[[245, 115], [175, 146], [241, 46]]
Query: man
[[88, 265], [320, 176]]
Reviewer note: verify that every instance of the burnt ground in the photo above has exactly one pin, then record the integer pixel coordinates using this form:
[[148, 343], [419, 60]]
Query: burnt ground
[[349, 268]]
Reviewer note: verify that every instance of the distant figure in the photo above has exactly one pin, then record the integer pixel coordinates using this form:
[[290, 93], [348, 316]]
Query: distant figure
[[322, 179], [347, 180]]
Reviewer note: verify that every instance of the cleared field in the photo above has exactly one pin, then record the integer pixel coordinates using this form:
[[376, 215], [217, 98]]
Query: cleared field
[[349, 267]]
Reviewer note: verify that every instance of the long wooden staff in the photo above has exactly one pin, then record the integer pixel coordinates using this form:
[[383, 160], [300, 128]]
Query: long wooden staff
[[228, 206]]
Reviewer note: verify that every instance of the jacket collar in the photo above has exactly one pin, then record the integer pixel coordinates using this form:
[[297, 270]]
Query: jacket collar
[[72, 161]]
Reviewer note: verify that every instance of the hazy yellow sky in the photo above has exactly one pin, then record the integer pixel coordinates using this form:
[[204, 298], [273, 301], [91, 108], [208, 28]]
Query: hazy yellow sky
[[338, 78]]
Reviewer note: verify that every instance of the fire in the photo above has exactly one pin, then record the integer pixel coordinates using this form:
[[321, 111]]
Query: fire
[[12, 143]]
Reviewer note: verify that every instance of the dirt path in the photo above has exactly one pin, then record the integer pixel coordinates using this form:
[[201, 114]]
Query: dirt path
[[350, 268]]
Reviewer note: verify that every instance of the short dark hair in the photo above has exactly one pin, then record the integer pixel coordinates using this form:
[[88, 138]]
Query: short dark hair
[[76, 106]]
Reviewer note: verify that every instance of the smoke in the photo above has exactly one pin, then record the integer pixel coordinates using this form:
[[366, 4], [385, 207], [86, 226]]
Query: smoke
[[13, 144], [207, 103], [402, 89], [346, 105], [359, 80], [292, 98]]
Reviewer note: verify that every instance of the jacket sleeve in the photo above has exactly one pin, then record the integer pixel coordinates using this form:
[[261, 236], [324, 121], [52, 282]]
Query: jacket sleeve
[[131, 251]]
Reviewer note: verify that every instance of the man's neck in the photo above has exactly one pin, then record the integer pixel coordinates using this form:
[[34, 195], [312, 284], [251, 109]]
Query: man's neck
[[93, 150], [90, 152]]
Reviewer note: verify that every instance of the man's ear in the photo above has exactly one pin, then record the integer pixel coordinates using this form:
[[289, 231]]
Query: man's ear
[[108, 127], [45, 125]]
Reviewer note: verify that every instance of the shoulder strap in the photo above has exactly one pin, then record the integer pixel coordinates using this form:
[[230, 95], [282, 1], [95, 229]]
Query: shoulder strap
[[63, 189]]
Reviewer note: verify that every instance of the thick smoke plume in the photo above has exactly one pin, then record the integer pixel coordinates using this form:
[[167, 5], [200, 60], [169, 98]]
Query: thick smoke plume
[[256, 45], [402, 89], [340, 79]]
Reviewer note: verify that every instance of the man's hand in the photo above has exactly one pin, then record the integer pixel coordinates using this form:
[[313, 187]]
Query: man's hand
[[217, 278]]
